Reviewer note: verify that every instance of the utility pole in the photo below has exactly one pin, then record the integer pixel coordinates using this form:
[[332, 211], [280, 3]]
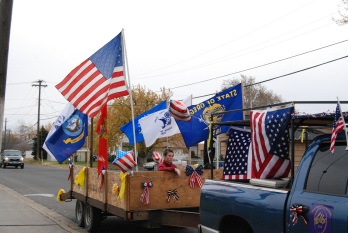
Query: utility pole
[[5, 26], [5, 135], [38, 119]]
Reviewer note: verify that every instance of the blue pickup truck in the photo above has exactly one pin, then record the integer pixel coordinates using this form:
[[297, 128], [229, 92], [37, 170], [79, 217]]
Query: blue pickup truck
[[316, 201]]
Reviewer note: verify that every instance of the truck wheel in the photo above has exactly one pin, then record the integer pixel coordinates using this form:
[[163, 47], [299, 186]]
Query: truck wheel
[[79, 213], [92, 217], [238, 226], [4, 165], [22, 166]]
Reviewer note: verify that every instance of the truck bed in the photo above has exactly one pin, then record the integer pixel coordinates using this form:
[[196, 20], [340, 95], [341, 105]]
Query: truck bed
[[263, 205]]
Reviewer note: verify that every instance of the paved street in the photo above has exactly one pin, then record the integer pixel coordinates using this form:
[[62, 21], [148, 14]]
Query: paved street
[[37, 186]]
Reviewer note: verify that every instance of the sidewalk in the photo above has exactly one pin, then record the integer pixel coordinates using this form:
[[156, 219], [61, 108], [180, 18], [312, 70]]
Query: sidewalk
[[20, 214]]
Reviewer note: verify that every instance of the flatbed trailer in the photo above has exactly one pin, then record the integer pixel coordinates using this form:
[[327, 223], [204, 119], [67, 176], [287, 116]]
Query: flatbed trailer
[[171, 199]]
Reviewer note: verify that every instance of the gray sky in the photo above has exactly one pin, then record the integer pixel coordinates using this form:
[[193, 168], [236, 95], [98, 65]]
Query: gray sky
[[175, 43]]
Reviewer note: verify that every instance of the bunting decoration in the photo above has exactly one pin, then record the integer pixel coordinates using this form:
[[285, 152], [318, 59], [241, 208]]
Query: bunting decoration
[[298, 210], [194, 175], [172, 194], [145, 196]]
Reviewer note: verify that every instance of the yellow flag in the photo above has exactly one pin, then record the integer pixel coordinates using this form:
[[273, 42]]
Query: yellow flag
[[80, 179], [60, 192], [209, 138], [123, 176]]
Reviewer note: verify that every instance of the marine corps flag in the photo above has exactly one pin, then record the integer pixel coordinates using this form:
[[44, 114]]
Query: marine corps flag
[[103, 140], [69, 137]]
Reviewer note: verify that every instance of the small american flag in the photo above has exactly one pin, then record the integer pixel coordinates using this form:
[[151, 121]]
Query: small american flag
[[270, 142], [338, 125], [98, 79], [238, 163]]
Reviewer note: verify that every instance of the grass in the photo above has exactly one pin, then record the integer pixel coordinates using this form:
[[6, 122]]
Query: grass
[[65, 164]]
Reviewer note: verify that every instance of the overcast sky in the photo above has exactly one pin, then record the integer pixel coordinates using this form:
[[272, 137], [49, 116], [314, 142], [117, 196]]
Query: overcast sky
[[177, 43]]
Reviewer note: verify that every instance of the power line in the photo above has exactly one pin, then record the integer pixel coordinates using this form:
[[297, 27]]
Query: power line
[[259, 66], [284, 75], [298, 71], [227, 43]]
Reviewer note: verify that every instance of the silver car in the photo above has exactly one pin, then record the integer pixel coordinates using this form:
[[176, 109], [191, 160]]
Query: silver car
[[12, 158], [151, 165]]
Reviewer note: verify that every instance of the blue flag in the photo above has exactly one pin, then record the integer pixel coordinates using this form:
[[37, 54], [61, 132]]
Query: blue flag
[[127, 129], [197, 130], [69, 137]]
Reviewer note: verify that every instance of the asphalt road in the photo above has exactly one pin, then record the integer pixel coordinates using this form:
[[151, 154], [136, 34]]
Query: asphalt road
[[41, 184]]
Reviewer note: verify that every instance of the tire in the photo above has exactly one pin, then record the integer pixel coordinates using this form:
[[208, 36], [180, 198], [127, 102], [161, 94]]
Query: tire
[[238, 226], [80, 213], [16, 167], [22, 166], [4, 166], [92, 218]]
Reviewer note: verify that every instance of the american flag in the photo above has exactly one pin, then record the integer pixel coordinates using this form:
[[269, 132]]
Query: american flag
[[270, 142], [338, 125], [238, 163], [98, 79]]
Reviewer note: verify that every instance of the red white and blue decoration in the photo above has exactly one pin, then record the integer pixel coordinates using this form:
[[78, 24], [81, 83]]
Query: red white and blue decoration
[[179, 111], [71, 168], [195, 175], [145, 196], [156, 156], [125, 160], [172, 194], [298, 211], [102, 173]]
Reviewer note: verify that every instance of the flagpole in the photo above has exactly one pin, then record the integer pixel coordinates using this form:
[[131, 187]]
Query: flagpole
[[131, 98], [189, 157], [344, 122]]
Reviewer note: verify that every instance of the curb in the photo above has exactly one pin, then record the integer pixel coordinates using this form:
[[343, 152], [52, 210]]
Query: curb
[[63, 222]]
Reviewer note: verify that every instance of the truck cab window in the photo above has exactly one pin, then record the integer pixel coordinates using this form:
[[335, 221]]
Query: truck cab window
[[329, 173]]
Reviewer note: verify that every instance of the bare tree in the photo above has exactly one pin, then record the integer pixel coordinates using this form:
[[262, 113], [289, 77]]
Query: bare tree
[[343, 12], [254, 94]]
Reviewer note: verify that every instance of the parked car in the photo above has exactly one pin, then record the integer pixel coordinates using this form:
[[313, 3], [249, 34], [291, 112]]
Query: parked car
[[12, 158], [151, 165]]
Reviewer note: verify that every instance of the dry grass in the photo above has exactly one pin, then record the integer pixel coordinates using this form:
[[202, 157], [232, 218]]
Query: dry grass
[[65, 164]]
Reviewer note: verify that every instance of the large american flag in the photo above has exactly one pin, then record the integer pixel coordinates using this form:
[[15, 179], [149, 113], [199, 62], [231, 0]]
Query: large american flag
[[338, 125], [98, 79], [270, 142], [238, 162]]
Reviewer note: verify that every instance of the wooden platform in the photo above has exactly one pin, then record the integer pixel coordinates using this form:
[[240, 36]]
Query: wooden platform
[[163, 182]]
